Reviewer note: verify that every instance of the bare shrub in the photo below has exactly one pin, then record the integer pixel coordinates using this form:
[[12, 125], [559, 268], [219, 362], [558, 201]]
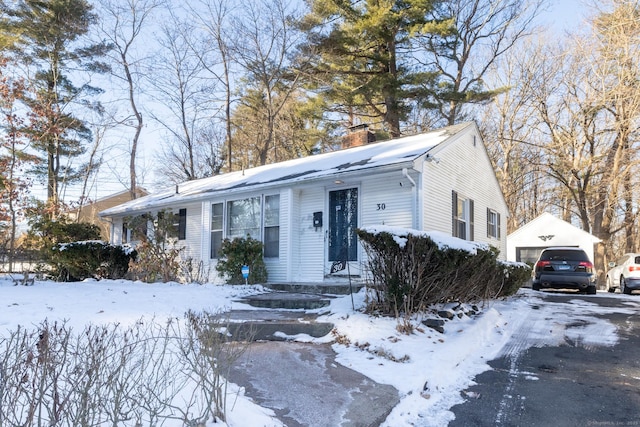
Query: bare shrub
[[209, 353], [145, 374], [193, 271], [158, 252]]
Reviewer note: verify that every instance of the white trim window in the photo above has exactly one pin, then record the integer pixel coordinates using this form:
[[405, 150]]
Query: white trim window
[[243, 218], [257, 217], [272, 226], [461, 216], [493, 224], [217, 228]]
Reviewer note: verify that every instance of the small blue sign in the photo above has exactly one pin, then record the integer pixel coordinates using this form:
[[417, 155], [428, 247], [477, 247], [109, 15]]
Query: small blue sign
[[245, 271]]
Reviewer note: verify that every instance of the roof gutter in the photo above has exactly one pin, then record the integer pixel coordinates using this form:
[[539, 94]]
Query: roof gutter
[[185, 198], [414, 198]]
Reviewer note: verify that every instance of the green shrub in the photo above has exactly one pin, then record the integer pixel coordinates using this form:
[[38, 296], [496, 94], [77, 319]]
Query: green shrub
[[238, 252], [81, 260], [45, 233], [411, 272], [516, 274]]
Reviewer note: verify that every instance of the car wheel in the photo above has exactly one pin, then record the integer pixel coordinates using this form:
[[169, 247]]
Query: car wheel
[[623, 287], [535, 286], [591, 290], [610, 287]]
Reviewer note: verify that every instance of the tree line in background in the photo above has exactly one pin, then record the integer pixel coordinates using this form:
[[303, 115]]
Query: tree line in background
[[232, 86]]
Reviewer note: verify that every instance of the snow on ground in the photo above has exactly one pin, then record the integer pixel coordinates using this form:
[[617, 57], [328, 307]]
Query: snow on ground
[[429, 369]]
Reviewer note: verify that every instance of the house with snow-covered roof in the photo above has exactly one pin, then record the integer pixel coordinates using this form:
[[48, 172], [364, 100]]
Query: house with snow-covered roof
[[306, 210], [546, 230]]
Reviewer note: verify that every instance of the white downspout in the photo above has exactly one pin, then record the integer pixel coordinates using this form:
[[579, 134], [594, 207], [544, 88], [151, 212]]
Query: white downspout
[[414, 199]]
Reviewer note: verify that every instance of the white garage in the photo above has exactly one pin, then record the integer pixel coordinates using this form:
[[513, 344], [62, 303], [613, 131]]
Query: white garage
[[526, 243]]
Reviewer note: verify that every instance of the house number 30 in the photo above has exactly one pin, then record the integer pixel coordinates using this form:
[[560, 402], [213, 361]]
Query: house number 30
[[381, 207]]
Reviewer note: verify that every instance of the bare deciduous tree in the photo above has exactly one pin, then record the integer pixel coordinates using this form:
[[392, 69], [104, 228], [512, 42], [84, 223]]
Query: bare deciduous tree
[[481, 32], [181, 86], [616, 79], [270, 82], [214, 51], [509, 127], [123, 25], [588, 102]]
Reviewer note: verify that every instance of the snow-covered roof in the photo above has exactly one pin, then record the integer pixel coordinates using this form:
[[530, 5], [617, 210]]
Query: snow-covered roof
[[550, 225], [333, 164]]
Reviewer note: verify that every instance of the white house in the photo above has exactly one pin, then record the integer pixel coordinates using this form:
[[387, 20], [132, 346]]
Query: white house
[[305, 210], [526, 243]]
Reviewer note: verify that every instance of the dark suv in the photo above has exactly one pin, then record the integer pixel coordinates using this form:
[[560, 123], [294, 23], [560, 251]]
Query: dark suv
[[564, 268]]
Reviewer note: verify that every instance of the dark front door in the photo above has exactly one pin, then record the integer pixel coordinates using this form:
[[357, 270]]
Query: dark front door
[[343, 221]]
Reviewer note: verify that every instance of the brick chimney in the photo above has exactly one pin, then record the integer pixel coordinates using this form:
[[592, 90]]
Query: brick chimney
[[358, 135]]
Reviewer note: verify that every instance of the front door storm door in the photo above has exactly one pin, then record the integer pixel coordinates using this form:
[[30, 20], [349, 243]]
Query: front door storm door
[[343, 221]]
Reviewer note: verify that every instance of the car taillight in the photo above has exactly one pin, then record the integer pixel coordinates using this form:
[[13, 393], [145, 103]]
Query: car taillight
[[542, 264], [634, 268], [588, 265]]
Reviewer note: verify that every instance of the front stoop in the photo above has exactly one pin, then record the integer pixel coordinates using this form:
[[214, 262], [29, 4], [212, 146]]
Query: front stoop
[[281, 316], [274, 325], [324, 288], [288, 301]]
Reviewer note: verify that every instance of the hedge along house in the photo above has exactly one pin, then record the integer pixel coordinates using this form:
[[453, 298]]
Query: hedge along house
[[305, 211]]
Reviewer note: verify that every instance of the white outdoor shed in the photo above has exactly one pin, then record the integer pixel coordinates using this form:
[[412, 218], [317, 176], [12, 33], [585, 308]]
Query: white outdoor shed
[[526, 243], [306, 210]]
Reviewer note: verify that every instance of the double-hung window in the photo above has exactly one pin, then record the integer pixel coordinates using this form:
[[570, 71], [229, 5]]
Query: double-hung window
[[217, 228], [493, 224], [271, 238], [172, 225], [462, 216]]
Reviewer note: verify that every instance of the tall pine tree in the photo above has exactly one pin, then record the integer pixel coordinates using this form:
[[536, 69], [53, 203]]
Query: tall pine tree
[[361, 56], [49, 42]]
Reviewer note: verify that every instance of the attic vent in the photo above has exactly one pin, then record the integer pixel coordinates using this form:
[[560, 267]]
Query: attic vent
[[358, 135]]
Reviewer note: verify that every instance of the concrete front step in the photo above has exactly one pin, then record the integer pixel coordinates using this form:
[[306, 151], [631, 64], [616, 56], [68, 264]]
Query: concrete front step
[[325, 288], [282, 314], [272, 325], [288, 301]]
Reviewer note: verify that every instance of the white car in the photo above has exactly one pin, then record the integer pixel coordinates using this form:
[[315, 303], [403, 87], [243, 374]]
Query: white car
[[624, 274]]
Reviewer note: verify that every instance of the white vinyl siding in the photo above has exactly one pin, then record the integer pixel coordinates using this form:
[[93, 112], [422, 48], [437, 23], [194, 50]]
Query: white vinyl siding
[[466, 169], [387, 200], [310, 258]]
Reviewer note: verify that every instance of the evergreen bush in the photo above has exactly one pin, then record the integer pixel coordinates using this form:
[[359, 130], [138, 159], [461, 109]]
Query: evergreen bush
[[81, 260], [238, 252], [411, 272]]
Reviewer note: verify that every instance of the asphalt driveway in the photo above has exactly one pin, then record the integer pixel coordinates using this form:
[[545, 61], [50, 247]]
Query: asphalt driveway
[[569, 385]]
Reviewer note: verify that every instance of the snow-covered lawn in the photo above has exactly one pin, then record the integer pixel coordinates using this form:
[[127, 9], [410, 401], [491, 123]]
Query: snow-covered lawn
[[431, 369]]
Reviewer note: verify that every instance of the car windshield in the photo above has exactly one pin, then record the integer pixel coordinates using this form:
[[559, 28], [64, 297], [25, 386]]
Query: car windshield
[[563, 255]]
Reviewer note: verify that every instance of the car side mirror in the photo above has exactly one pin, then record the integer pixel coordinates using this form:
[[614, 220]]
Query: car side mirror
[[612, 264]]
